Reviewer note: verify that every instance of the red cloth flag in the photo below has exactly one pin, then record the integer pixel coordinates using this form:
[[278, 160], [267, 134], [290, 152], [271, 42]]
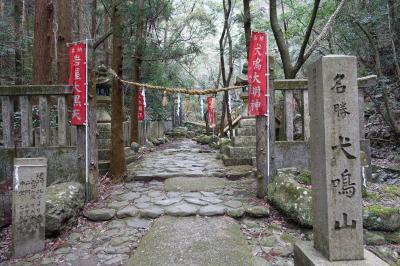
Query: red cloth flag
[[257, 70], [140, 105], [210, 109], [77, 79]]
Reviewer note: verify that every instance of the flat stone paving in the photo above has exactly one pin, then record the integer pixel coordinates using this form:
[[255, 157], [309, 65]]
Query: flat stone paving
[[111, 230], [194, 241]]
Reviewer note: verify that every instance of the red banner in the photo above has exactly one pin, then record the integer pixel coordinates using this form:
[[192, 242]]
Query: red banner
[[140, 105], [210, 108], [77, 79], [257, 70]]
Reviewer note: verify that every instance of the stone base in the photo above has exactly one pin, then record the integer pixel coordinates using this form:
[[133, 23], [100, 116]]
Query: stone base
[[306, 255]]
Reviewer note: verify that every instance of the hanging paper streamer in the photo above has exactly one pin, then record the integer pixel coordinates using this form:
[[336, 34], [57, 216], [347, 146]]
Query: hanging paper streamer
[[229, 103], [257, 74], [141, 105], [201, 107], [179, 105], [164, 101], [77, 79], [210, 109], [144, 98]]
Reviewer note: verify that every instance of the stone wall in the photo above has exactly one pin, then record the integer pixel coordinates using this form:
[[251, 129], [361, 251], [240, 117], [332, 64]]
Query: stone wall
[[147, 129], [297, 154], [62, 162]]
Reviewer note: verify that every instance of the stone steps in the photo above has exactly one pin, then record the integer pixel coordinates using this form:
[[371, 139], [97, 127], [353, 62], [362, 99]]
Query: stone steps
[[228, 161], [104, 164], [247, 122], [245, 131], [244, 141]]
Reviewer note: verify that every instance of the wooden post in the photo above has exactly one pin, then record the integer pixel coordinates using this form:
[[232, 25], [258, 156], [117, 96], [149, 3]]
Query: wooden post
[[62, 121], [7, 114], [306, 116], [288, 114], [263, 178], [44, 121], [26, 121]]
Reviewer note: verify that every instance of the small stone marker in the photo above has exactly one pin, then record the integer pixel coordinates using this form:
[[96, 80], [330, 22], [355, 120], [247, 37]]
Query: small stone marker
[[28, 211], [335, 166]]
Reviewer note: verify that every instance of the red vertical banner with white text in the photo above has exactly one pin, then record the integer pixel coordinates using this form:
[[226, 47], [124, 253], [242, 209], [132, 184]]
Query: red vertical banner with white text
[[210, 109], [140, 105], [257, 74], [77, 79]]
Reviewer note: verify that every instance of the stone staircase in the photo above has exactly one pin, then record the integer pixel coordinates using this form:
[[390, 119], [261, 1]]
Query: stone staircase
[[243, 148], [104, 151]]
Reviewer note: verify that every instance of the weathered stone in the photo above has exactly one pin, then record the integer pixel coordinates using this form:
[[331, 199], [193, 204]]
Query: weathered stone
[[181, 209], [135, 147], [212, 200], [212, 210], [335, 158], [28, 205], [378, 217], [130, 196], [233, 204], [372, 238], [196, 201], [137, 222], [207, 242], [63, 203], [129, 211], [167, 202], [152, 212], [143, 205], [194, 184], [235, 213], [291, 197], [257, 211], [102, 214], [117, 204]]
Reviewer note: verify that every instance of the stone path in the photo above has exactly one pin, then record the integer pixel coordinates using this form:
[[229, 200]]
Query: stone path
[[181, 179], [195, 241]]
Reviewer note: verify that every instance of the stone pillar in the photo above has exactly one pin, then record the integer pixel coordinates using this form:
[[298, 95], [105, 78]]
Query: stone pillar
[[335, 164], [28, 205]]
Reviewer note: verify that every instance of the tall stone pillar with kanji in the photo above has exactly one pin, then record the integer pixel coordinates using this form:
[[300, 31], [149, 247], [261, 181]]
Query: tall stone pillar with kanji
[[335, 166]]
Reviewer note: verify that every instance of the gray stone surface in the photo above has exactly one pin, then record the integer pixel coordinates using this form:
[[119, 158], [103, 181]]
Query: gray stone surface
[[257, 211], [194, 184], [62, 162], [102, 214], [181, 209], [128, 211], [335, 158], [63, 203], [193, 241], [306, 255], [212, 210], [137, 222], [152, 212], [29, 196]]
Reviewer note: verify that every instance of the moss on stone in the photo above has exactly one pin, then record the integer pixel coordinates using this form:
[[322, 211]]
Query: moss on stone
[[382, 211], [304, 178], [392, 191], [370, 195]]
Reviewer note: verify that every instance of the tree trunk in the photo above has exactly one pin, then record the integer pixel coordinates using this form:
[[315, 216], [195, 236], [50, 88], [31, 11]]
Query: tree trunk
[[118, 164], [19, 67], [106, 44], [247, 24], [64, 21], [42, 53], [81, 20], [137, 65]]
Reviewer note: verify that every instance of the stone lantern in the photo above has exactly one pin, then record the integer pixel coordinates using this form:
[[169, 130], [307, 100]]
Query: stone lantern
[[241, 80], [103, 95]]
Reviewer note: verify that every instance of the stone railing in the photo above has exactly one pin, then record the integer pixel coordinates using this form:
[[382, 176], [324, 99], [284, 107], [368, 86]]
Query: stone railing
[[25, 135], [289, 86]]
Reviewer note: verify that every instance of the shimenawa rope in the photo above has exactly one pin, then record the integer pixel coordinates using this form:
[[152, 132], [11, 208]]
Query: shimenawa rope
[[173, 90]]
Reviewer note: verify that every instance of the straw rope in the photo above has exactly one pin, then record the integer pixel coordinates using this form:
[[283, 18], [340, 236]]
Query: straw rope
[[174, 90]]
